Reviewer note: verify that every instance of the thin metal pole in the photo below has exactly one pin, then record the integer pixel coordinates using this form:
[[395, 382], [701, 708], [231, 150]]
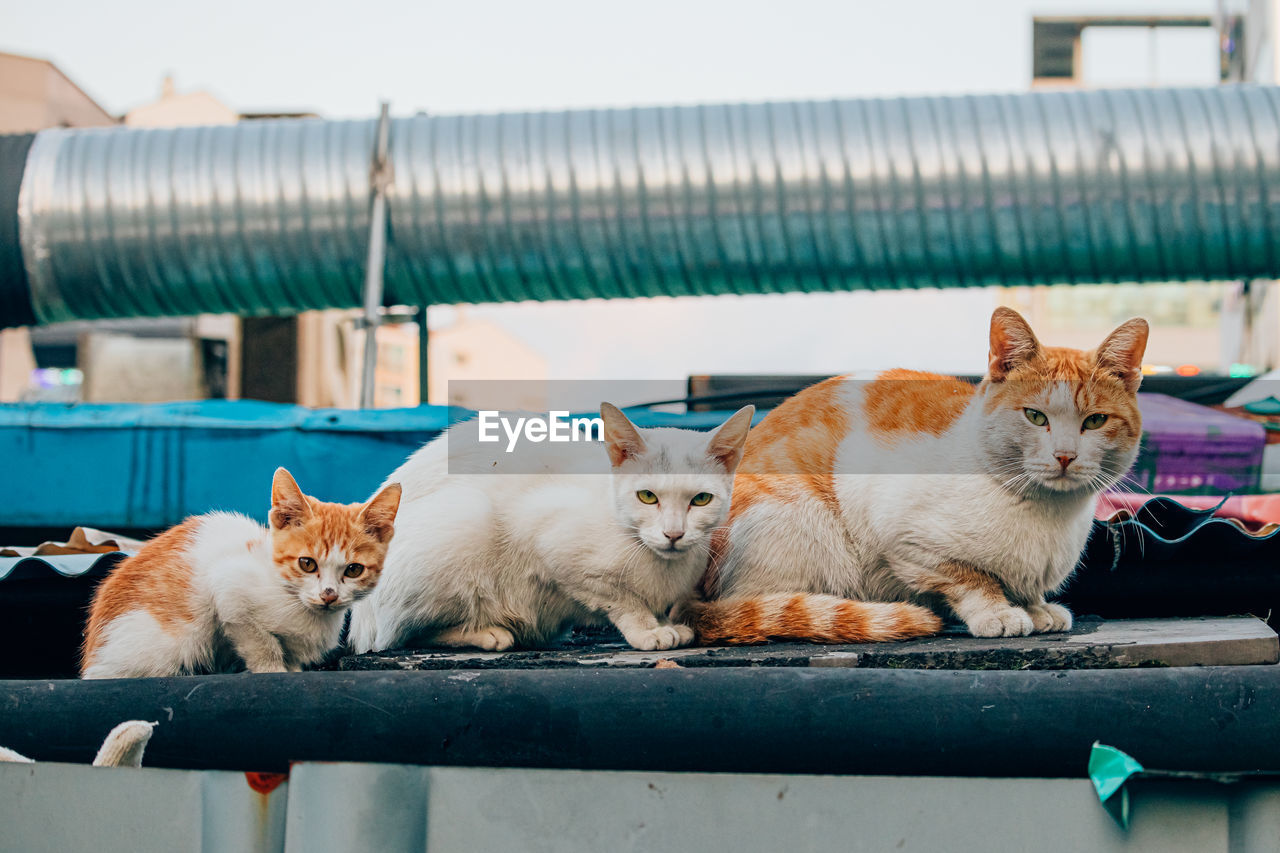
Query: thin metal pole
[[380, 178], [424, 349]]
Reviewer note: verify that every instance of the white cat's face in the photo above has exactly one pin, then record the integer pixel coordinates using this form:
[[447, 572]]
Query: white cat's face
[[672, 513], [672, 487]]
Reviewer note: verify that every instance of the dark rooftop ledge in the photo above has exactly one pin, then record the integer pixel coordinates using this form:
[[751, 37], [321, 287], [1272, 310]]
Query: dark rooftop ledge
[[1092, 644], [783, 719]]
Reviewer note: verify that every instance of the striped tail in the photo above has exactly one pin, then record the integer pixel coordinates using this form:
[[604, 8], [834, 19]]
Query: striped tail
[[810, 617]]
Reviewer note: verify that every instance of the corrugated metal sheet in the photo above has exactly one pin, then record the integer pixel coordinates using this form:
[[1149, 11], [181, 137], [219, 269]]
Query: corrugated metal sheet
[[1164, 530], [43, 604], [67, 566], [272, 216]]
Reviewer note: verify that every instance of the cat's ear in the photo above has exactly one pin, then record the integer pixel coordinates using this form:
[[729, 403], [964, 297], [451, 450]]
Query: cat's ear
[[727, 443], [621, 438], [1121, 353], [288, 504], [378, 516], [1012, 343]]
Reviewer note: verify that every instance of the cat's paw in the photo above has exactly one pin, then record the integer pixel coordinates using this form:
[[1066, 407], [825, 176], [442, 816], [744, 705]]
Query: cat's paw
[[662, 637], [686, 633], [1004, 621], [1049, 617], [266, 666], [493, 639]]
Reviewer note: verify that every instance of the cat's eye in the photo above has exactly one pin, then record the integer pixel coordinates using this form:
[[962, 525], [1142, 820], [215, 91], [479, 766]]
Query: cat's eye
[[1095, 420], [353, 570], [1036, 417], [307, 564], [647, 497], [701, 499]]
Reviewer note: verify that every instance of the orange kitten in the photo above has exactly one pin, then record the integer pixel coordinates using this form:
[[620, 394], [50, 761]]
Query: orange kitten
[[220, 592], [918, 489]]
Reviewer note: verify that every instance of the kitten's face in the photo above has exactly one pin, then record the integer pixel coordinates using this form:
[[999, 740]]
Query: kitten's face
[[329, 555], [672, 486], [1061, 420]]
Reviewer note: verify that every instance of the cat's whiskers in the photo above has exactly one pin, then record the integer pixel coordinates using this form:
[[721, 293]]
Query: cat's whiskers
[[1019, 483]]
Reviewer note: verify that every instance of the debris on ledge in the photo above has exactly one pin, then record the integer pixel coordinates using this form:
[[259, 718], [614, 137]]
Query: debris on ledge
[[1092, 644]]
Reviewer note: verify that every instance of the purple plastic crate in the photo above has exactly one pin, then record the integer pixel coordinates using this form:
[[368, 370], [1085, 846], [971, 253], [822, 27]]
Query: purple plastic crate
[[1191, 449]]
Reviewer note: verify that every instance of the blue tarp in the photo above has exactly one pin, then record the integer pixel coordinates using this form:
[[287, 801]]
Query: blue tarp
[[136, 465]]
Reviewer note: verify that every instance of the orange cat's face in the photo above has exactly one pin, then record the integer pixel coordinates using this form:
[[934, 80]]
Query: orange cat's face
[[1061, 420], [329, 555]]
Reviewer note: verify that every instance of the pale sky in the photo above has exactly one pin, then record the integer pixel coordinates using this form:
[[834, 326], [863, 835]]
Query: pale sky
[[340, 58]]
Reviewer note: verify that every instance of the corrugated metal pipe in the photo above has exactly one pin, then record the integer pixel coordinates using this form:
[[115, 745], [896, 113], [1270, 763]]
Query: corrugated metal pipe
[[270, 217]]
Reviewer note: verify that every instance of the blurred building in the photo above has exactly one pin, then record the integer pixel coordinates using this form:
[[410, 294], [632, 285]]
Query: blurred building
[[35, 94], [1196, 325], [470, 349], [330, 348], [199, 107], [1186, 317], [174, 109]]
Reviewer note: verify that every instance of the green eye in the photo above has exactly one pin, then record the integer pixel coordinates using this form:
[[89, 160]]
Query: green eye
[[647, 497], [701, 499], [1095, 420], [1036, 417], [307, 564]]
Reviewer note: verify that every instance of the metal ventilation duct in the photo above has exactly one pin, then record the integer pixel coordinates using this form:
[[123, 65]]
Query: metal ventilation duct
[[272, 216]]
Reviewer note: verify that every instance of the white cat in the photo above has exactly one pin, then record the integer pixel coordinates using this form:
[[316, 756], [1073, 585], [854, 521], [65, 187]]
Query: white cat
[[490, 559]]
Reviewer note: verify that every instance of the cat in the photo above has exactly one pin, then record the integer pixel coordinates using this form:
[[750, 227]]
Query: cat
[[220, 591], [860, 509], [587, 535]]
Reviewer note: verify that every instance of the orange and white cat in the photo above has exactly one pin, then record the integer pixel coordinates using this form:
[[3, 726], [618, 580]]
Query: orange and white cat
[[220, 592], [856, 503]]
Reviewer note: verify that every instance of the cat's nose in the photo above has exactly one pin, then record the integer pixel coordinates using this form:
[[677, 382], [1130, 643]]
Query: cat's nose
[[1064, 459], [329, 595], [674, 535]]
